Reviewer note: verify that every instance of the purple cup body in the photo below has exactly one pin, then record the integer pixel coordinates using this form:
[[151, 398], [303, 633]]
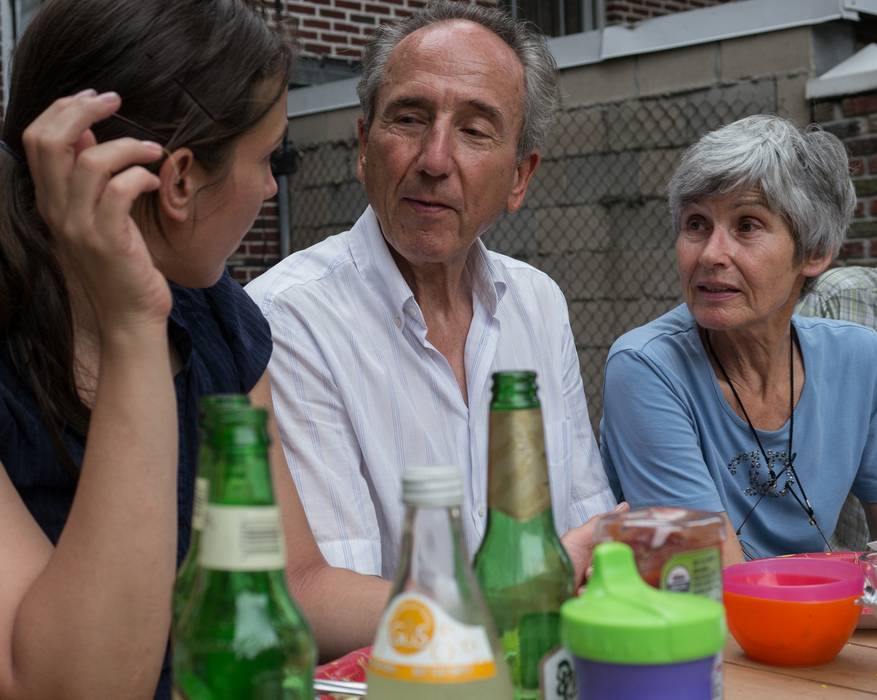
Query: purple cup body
[[688, 680]]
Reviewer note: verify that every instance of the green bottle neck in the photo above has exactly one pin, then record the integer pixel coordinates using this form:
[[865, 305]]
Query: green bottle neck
[[242, 477]]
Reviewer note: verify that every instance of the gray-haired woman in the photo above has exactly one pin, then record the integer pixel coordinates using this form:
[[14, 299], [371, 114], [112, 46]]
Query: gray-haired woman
[[729, 403]]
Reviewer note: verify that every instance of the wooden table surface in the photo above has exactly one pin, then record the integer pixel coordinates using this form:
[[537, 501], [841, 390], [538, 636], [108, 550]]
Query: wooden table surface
[[852, 674]]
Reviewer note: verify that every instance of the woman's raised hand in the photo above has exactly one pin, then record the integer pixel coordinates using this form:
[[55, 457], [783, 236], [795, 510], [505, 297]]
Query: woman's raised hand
[[85, 192]]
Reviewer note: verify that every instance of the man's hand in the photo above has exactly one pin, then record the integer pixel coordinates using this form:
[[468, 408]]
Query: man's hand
[[579, 543]]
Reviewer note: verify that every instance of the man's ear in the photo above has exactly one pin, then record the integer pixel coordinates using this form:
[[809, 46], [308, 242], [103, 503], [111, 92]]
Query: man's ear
[[523, 172], [179, 185], [363, 143]]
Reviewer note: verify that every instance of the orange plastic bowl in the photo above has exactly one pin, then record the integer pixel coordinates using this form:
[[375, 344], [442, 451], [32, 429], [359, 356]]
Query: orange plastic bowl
[[792, 612], [791, 633]]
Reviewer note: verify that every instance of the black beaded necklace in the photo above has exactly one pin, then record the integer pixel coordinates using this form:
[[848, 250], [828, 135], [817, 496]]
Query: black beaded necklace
[[790, 456]]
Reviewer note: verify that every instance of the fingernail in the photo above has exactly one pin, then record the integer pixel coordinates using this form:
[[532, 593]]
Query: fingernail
[[108, 96], [619, 507], [152, 145], [90, 92]]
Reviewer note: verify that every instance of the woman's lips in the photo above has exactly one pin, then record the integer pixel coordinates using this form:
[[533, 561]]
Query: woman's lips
[[717, 292]]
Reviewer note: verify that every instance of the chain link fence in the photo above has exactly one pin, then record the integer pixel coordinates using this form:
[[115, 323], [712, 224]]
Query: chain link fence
[[595, 218]]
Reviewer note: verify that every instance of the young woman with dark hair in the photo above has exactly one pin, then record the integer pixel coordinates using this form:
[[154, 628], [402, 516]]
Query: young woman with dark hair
[[136, 156]]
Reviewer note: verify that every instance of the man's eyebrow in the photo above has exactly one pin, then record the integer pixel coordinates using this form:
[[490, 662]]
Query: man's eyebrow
[[407, 101], [491, 112], [487, 109]]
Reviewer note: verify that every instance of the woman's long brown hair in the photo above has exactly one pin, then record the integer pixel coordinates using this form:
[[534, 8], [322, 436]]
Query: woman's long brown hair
[[192, 71]]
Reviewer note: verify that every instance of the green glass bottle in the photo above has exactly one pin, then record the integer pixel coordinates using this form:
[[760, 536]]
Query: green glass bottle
[[242, 635], [209, 406], [524, 571]]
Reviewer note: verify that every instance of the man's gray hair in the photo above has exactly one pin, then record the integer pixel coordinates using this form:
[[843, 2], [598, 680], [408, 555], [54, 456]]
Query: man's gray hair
[[540, 69], [803, 175]]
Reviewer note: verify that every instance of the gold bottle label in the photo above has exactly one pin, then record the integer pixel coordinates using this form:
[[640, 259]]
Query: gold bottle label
[[517, 468]]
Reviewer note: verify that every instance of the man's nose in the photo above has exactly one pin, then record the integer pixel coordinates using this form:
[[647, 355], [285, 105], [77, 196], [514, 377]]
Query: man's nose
[[435, 156]]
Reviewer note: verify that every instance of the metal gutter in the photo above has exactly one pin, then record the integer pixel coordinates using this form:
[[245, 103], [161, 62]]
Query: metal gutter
[[857, 74], [710, 24]]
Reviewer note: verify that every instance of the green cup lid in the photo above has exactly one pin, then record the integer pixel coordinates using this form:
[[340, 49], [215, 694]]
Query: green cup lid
[[620, 619]]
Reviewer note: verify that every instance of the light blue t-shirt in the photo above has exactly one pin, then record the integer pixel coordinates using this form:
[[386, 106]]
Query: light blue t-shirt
[[669, 437]]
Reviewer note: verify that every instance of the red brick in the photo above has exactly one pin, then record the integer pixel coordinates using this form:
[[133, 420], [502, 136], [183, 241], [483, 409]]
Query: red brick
[[334, 38], [872, 207], [348, 5], [865, 104], [317, 23], [862, 146], [377, 9], [345, 27], [859, 211], [348, 52], [363, 19], [318, 48], [824, 111], [357, 41], [857, 167], [872, 164], [304, 34], [334, 14], [301, 9], [852, 249]]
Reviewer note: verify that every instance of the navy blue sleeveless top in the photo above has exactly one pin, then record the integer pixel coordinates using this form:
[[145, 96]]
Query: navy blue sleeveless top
[[224, 344]]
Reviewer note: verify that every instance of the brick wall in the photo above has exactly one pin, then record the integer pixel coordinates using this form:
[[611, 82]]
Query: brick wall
[[632, 11], [340, 28], [854, 120]]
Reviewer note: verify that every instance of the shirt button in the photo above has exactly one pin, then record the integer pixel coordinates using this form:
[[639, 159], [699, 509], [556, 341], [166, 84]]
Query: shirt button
[[481, 511], [398, 322]]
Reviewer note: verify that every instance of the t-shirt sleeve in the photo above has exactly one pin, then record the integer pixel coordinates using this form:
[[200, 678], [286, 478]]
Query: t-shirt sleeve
[[649, 438], [244, 328]]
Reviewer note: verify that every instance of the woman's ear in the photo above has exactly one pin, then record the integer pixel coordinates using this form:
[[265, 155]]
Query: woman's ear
[[816, 265], [176, 193]]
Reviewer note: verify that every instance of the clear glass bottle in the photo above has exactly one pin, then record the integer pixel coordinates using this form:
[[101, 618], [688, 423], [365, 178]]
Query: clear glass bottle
[[209, 406], [436, 639], [524, 571], [242, 635]]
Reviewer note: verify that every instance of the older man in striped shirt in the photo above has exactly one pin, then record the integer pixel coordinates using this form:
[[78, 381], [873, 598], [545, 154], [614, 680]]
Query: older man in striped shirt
[[386, 335]]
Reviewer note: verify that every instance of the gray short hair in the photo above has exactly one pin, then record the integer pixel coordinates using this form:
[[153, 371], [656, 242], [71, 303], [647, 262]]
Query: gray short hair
[[802, 173], [540, 69]]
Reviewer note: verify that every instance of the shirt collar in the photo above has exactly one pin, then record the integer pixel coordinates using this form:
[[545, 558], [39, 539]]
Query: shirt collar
[[371, 255]]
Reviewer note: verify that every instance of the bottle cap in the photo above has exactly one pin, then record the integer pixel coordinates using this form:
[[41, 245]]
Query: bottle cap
[[620, 619], [438, 486]]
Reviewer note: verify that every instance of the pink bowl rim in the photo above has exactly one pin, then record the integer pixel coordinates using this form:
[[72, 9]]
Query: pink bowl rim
[[848, 579]]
